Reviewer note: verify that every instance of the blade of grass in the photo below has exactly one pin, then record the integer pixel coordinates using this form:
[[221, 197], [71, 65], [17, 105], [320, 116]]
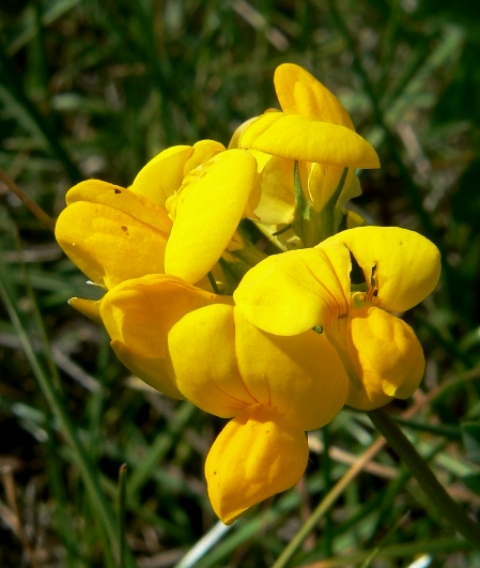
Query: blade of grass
[[122, 490], [375, 552], [410, 186], [52, 12], [59, 409], [64, 523], [206, 543], [326, 469], [403, 550], [38, 125], [159, 449]]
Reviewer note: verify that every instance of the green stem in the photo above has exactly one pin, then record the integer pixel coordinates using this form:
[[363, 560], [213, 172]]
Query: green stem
[[213, 283], [435, 492]]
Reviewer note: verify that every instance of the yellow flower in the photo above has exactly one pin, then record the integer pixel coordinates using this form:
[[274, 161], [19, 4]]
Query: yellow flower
[[313, 126], [190, 343], [274, 387], [178, 216], [313, 129], [290, 293]]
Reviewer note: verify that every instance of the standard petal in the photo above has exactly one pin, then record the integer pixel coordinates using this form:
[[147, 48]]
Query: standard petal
[[109, 245], [139, 313], [207, 214], [300, 93], [387, 356], [406, 266], [203, 358], [292, 292], [301, 376], [256, 455], [163, 174], [301, 138]]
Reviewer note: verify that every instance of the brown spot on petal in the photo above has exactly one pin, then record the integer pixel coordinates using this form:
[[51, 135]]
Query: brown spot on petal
[[117, 191]]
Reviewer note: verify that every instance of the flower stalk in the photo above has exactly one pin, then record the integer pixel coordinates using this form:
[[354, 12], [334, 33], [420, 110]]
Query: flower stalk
[[429, 484]]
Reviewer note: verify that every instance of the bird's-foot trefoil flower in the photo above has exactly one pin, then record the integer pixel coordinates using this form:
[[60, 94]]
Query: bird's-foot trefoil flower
[[163, 222], [190, 343], [117, 236], [295, 291], [314, 130], [274, 388], [305, 332]]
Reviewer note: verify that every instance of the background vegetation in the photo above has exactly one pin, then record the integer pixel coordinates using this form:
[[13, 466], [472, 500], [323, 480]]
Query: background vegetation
[[94, 88]]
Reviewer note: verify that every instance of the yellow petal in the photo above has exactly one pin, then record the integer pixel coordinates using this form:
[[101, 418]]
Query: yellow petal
[[294, 291], [202, 352], [207, 214], [300, 93], [387, 356], [301, 138], [138, 315], [203, 151], [301, 376], [277, 198], [89, 308], [120, 199], [150, 369], [238, 132], [163, 174], [256, 455], [109, 245], [407, 265]]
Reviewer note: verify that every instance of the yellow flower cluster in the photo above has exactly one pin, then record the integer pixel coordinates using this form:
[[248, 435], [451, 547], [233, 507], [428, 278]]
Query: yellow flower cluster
[[276, 343]]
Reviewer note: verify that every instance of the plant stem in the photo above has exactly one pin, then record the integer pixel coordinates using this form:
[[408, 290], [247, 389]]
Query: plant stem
[[350, 475], [435, 492]]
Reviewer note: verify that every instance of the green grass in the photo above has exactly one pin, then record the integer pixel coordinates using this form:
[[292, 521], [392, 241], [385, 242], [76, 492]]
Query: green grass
[[92, 88]]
